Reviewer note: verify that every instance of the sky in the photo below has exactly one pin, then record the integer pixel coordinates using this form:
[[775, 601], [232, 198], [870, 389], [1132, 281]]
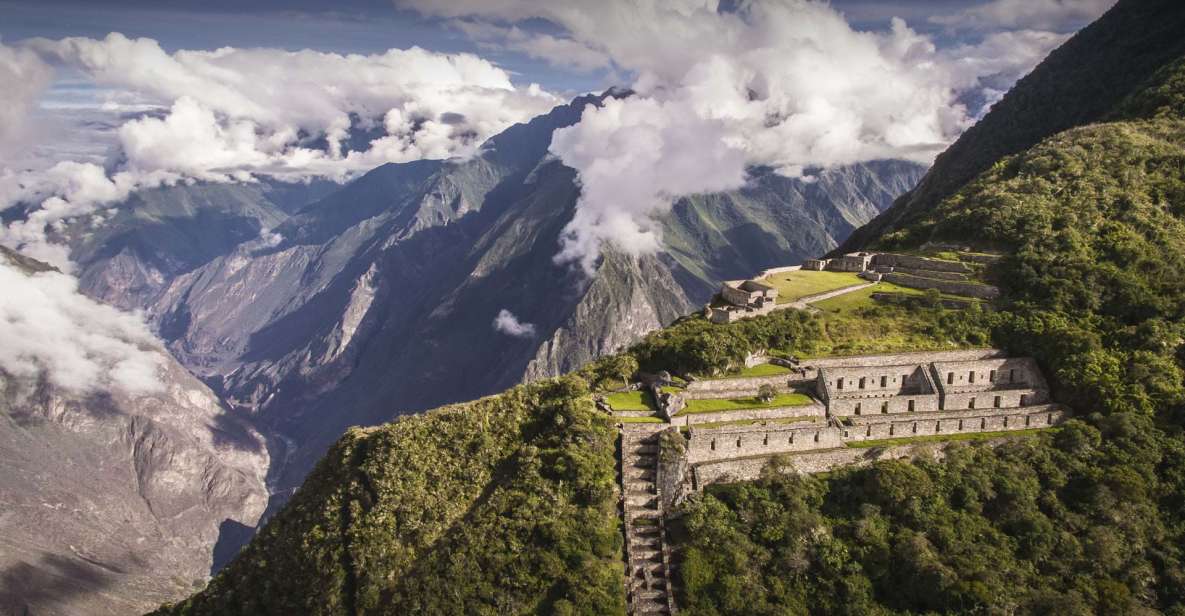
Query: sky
[[106, 97]]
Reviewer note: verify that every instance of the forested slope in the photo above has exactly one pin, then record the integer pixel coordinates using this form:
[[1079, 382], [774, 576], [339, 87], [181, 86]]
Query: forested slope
[[1089, 519], [503, 505]]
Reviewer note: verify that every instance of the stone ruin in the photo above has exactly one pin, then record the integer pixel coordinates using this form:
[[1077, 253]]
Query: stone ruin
[[742, 299], [859, 399]]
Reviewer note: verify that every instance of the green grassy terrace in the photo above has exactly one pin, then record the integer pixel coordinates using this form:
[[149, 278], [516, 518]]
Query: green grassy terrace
[[755, 371], [714, 405], [640, 400], [796, 285]]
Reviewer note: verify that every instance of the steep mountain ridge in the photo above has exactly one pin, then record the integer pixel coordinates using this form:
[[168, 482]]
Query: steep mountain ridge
[[380, 298], [114, 502], [1085, 519], [1081, 82]]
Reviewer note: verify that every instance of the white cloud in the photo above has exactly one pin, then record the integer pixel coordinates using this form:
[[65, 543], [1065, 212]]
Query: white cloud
[[558, 51], [1053, 15], [50, 329], [24, 77], [229, 115], [509, 324], [785, 84], [258, 110]]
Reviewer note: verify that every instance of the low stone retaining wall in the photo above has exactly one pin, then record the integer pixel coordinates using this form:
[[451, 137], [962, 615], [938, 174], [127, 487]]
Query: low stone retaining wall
[[945, 286], [809, 410], [922, 263], [948, 424], [939, 275], [901, 359], [717, 388]]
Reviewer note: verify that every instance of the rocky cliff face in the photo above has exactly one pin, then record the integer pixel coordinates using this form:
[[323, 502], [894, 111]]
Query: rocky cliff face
[[111, 502], [379, 299]]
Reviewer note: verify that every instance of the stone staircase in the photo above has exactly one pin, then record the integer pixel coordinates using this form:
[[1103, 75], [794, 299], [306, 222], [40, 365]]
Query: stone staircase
[[647, 555]]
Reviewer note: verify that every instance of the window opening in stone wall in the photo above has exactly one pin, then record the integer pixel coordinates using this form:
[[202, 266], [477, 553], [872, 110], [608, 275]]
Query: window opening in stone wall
[[816, 437], [971, 376], [738, 443], [996, 402], [1011, 375], [992, 376], [884, 381], [971, 403], [862, 382], [911, 406], [713, 444], [839, 383], [884, 407], [765, 441], [857, 408], [950, 378]]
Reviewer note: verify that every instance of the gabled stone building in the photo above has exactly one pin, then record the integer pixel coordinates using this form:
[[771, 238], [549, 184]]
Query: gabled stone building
[[743, 299]]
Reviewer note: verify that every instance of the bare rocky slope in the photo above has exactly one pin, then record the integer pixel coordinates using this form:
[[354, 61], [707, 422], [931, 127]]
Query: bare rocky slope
[[111, 502]]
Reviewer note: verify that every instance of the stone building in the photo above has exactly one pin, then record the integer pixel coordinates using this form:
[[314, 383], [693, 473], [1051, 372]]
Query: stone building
[[863, 390], [994, 382], [743, 299]]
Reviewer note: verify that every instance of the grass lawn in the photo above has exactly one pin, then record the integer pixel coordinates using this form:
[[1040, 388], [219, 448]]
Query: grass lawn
[[630, 401], [714, 405], [651, 419], [958, 436], [749, 422], [758, 370], [859, 299], [799, 284]]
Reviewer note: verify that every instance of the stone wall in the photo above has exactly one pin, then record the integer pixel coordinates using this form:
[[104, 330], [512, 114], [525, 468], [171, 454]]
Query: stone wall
[[714, 388], [978, 375], [921, 263], [725, 443], [995, 398], [809, 410], [858, 381], [966, 289], [921, 403], [938, 424], [958, 276], [899, 359]]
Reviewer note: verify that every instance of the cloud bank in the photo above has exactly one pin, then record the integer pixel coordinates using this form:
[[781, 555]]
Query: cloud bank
[[230, 115], [25, 77], [50, 329], [509, 324], [788, 85]]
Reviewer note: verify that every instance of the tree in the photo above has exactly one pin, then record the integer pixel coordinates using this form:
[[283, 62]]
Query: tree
[[766, 393]]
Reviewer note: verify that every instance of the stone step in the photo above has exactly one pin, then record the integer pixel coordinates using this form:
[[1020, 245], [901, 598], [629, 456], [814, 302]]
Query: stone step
[[648, 514], [650, 595], [650, 606], [651, 554], [647, 531], [645, 540], [643, 501], [639, 474], [640, 488]]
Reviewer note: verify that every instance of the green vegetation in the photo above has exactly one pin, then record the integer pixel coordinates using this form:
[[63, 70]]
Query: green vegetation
[[647, 419], [758, 370], [944, 438], [639, 400], [714, 405], [500, 506], [1087, 519], [796, 285], [856, 300]]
